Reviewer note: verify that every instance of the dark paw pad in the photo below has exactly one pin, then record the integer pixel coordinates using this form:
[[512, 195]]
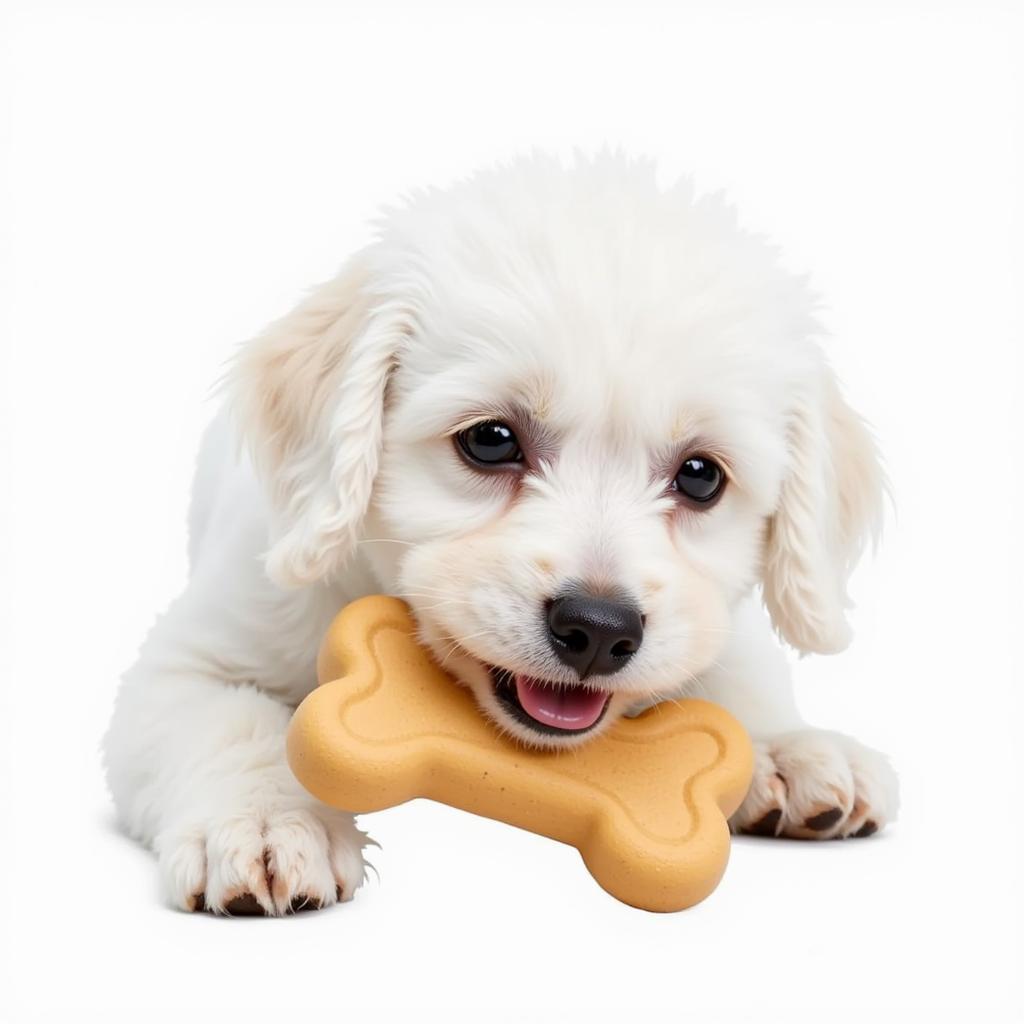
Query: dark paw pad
[[765, 826], [869, 828], [302, 903], [825, 820], [245, 905]]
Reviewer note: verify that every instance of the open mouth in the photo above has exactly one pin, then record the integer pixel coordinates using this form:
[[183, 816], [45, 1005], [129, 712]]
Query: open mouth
[[549, 708]]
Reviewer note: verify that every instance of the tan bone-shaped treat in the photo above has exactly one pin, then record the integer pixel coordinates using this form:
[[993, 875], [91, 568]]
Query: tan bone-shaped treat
[[646, 803]]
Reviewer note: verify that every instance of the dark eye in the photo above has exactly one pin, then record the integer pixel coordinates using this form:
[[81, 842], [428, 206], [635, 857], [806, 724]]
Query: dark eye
[[700, 479], [490, 443]]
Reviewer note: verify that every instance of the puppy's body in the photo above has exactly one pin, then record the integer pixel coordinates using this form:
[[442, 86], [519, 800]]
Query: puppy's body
[[606, 332]]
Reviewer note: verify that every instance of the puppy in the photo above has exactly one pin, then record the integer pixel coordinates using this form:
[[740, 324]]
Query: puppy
[[583, 426]]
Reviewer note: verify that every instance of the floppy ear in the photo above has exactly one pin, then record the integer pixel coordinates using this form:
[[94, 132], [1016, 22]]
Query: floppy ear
[[830, 504], [309, 396]]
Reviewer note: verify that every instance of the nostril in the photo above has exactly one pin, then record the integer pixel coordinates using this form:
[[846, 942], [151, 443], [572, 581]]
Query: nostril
[[623, 649], [576, 640]]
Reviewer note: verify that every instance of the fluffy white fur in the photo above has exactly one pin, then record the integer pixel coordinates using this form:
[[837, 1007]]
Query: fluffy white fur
[[627, 325]]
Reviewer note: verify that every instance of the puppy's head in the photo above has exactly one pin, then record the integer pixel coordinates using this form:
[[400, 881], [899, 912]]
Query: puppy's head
[[572, 418]]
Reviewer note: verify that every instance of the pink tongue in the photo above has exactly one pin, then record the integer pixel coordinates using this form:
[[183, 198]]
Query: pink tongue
[[564, 707]]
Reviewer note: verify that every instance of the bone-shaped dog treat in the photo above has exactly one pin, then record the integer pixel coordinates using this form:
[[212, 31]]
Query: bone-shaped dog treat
[[645, 803]]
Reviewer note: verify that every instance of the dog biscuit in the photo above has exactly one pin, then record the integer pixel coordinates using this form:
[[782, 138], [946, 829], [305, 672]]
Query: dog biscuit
[[646, 803]]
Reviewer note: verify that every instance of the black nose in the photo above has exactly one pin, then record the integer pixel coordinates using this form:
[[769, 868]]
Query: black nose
[[594, 635]]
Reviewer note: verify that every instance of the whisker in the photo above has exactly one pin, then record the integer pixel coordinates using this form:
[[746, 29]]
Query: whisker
[[453, 601], [456, 644], [444, 602]]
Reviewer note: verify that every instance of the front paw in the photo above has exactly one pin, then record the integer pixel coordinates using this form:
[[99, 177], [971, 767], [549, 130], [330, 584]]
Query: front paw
[[814, 784], [268, 861]]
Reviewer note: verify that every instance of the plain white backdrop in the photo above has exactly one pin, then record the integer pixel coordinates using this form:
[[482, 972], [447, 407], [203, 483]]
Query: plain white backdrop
[[174, 175]]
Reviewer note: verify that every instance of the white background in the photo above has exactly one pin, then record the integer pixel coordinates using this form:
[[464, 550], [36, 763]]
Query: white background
[[175, 175]]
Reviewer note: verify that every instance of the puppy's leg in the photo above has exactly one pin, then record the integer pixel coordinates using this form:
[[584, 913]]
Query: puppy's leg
[[197, 769], [808, 783]]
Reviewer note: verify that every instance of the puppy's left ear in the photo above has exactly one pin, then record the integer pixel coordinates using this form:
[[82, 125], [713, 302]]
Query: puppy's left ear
[[830, 504], [309, 397]]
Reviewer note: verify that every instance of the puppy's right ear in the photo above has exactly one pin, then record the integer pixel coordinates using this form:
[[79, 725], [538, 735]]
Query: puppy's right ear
[[308, 394]]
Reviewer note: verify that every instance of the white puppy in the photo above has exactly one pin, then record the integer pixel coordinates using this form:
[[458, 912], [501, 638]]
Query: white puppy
[[578, 422]]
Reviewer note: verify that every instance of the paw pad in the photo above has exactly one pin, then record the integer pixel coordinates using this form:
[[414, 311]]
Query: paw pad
[[766, 826], [244, 905], [824, 820]]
